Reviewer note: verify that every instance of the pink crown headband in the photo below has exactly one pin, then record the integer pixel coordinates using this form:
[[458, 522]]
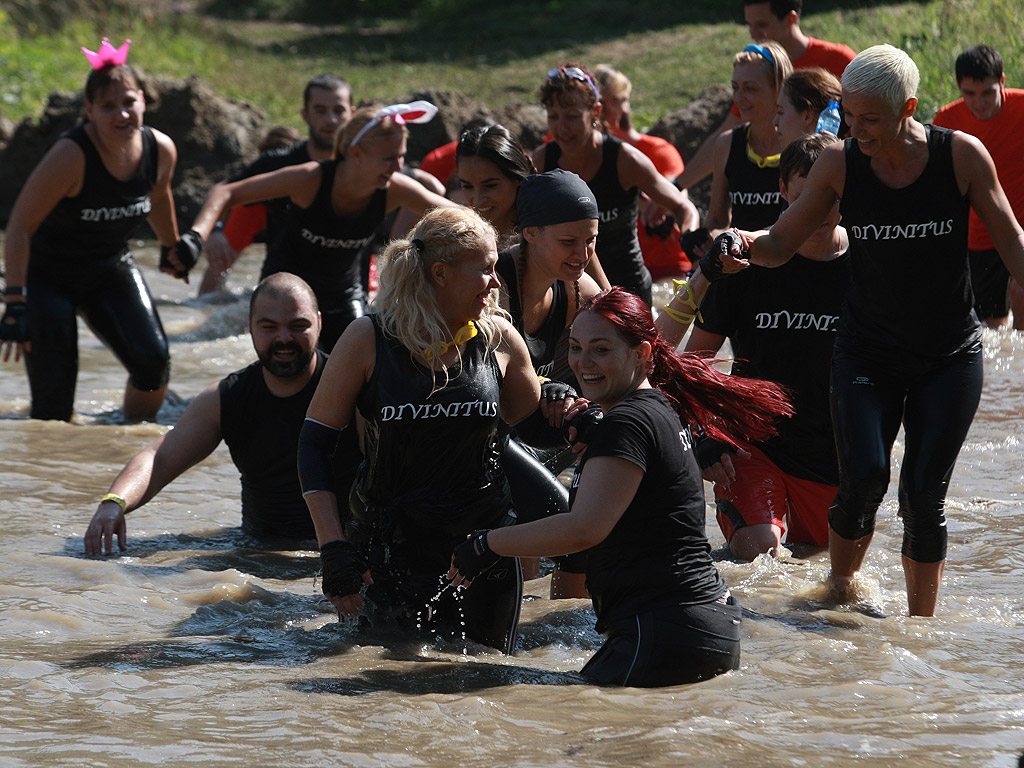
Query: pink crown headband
[[107, 54]]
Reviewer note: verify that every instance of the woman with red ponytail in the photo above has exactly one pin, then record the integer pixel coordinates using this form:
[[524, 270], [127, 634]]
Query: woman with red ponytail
[[637, 499]]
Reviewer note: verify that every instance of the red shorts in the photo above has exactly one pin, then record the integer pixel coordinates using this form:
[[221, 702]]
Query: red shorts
[[764, 494]]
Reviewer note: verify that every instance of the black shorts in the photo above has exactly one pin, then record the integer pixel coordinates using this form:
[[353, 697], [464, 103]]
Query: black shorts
[[670, 646], [990, 280]]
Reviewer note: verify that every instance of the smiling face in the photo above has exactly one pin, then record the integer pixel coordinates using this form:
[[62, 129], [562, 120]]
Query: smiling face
[[873, 122], [571, 122], [488, 191], [607, 368], [753, 93], [284, 328], [983, 97], [326, 113], [117, 111], [464, 285], [379, 159], [790, 123], [562, 250]]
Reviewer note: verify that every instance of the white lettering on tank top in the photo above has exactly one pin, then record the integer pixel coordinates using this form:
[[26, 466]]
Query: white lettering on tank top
[[686, 439], [333, 242], [488, 409], [118, 212], [796, 321], [545, 370], [612, 214], [754, 198], [901, 231]]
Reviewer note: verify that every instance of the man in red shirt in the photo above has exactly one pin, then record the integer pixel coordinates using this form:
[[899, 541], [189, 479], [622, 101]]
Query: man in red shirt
[[777, 20], [995, 115]]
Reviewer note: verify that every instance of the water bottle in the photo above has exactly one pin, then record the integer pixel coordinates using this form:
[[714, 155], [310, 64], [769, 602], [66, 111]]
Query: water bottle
[[829, 119]]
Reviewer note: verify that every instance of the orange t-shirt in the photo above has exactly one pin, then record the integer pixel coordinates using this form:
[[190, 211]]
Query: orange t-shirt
[[663, 256], [1003, 137]]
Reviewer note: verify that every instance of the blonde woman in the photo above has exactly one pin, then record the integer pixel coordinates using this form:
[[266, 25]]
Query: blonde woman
[[336, 206], [432, 372]]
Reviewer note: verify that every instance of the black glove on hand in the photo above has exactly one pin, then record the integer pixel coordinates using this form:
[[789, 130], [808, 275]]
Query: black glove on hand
[[585, 423], [693, 239], [709, 451], [189, 247], [663, 230], [472, 557], [711, 264], [556, 391], [14, 325], [343, 568]]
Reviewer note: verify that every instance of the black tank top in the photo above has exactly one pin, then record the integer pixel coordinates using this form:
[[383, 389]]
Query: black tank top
[[432, 460], [324, 248], [97, 222], [544, 343], [617, 245], [261, 431], [911, 289], [753, 191]]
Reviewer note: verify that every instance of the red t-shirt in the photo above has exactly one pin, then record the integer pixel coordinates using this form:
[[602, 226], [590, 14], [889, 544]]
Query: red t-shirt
[[1003, 137], [441, 162], [821, 53], [244, 223]]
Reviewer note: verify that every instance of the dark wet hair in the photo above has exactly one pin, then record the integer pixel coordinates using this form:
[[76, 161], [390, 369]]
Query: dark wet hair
[[731, 408], [496, 144], [979, 63], [812, 88], [104, 77], [799, 156], [780, 8], [328, 82]]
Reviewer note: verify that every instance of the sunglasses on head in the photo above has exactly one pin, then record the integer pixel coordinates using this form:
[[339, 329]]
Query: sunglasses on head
[[574, 73]]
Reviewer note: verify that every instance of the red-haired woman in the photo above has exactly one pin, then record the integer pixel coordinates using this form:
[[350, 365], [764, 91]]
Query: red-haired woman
[[638, 500], [616, 172]]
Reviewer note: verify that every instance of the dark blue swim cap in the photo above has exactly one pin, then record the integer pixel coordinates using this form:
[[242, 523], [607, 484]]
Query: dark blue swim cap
[[554, 197]]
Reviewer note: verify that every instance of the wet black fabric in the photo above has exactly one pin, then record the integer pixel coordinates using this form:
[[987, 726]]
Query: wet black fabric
[[657, 554], [753, 192], [911, 289], [670, 646], [275, 159], [782, 325], [617, 245], [261, 431], [324, 248], [95, 225]]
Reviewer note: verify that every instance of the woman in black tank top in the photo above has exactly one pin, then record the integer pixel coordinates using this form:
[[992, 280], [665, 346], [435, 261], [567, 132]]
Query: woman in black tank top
[[90, 193], [336, 207], [909, 350], [432, 372], [745, 185], [616, 172]]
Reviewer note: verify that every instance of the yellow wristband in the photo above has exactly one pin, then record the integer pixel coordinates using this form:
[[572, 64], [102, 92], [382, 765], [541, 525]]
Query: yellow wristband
[[116, 499]]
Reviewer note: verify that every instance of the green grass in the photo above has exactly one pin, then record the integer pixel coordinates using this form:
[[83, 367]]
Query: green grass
[[494, 52]]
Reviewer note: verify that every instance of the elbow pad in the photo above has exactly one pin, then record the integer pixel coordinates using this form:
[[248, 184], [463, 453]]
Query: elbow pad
[[317, 444]]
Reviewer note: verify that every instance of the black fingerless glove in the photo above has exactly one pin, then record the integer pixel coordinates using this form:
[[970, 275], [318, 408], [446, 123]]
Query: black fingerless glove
[[552, 391], [711, 264], [343, 568], [585, 423], [14, 325], [709, 451], [472, 557], [692, 240], [663, 230], [189, 247]]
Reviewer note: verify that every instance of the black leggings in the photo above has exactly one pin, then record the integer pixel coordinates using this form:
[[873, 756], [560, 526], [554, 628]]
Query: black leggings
[[113, 299], [670, 646], [935, 402]]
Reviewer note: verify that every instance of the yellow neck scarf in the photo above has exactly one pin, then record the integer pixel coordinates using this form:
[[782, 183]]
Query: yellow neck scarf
[[464, 334], [772, 161]]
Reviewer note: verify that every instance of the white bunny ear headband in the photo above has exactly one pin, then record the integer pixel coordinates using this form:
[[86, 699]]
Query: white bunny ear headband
[[417, 112]]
